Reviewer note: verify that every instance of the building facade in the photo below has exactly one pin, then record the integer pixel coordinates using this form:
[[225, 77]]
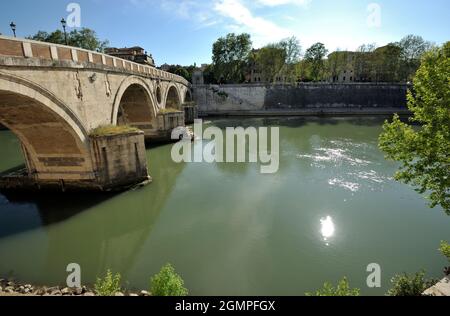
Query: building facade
[[135, 54]]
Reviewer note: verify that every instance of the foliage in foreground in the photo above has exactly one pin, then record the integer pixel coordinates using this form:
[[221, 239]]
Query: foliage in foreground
[[83, 38], [445, 249], [109, 285], [425, 151], [110, 130], [342, 289], [410, 285], [167, 283]]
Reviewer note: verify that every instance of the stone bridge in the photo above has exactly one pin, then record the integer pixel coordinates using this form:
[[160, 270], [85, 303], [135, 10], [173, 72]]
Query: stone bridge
[[54, 97]]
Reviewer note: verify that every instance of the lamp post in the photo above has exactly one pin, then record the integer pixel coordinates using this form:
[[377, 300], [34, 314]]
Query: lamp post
[[13, 28], [64, 24]]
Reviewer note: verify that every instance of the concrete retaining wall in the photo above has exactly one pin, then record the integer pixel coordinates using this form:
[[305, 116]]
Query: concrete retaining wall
[[213, 98]]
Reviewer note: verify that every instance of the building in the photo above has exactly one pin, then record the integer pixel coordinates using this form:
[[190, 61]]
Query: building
[[255, 75], [372, 66], [198, 76], [136, 54], [342, 66], [165, 67]]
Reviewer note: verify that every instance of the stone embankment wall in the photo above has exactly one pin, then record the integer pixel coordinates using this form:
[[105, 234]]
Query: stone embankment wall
[[249, 97]]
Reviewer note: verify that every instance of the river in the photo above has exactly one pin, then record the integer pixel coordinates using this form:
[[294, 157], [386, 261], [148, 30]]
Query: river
[[332, 209]]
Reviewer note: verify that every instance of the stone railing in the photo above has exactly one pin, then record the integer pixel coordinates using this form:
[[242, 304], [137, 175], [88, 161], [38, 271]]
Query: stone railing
[[16, 47]]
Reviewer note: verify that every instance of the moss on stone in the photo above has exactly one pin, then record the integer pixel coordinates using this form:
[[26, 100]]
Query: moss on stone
[[111, 130], [169, 110]]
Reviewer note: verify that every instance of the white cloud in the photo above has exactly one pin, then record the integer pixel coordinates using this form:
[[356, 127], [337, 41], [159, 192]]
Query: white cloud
[[263, 31], [274, 3]]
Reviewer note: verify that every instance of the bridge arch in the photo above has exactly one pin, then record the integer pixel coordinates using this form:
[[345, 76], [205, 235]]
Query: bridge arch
[[173, 98], [188, 96], [134, 105], [55, 143]]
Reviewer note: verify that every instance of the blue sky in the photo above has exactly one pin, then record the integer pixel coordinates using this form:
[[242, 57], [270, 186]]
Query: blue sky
[[182, 31]]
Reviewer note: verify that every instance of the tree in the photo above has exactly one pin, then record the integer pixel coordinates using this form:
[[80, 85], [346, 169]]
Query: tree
[[185, 72], [386, 63], [292, 51], [230, 55], [364, 62], [412, 49], [271, 60], [425, 151], [314, 56], [84, 38]]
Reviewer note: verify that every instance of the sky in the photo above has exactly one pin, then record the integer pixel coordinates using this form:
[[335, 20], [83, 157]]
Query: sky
[[183, 31]]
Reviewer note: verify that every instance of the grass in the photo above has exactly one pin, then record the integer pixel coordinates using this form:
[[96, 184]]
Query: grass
[[190, 104], [111, 130]]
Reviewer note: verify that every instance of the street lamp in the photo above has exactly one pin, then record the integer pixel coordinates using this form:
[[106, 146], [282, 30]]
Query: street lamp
[[64, 24], [13, 28]]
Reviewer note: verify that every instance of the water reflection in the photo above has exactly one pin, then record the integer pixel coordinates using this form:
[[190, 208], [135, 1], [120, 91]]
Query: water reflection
[[327, 228]]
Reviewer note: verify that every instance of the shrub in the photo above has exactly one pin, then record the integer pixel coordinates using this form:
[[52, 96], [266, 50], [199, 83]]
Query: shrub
[[168, 283], [110, 130], [109, 285], [445, 249], [342, 289], [410, 285]]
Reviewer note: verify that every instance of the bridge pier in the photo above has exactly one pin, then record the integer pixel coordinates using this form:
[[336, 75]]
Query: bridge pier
[[118, 163]]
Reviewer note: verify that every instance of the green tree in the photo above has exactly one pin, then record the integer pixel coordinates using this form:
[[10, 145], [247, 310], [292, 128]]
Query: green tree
[[386, 63], [412, 49], [292, 52], [230, 56], [315, 57], [271, 61], [185, 72], [342, 289], [83, 38], [364, 62], [424, 151], [167, 283]]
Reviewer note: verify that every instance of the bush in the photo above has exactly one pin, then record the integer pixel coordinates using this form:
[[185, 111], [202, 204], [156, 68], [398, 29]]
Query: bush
[[109, 285], [342, 289], [168, 283], [410, 285], [445, 249]]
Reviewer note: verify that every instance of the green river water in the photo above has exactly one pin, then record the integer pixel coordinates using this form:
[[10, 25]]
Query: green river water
[[331, 210]]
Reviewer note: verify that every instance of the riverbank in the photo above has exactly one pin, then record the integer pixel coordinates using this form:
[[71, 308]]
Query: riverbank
[[321, 112], [13, 288]]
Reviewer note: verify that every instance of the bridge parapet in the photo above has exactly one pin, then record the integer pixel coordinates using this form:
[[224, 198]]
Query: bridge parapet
[[24, 48]]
